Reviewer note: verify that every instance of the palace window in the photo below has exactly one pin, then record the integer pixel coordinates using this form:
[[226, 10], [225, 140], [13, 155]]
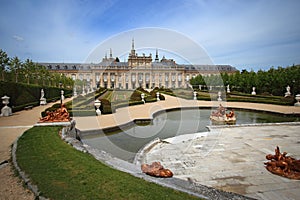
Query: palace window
[[112, 77], [173, 77], [179, 77], [147, 77], [133, 77], [81, 77], [187, 77], [167, 76], [97, 77], [153, 77], [141, 77]]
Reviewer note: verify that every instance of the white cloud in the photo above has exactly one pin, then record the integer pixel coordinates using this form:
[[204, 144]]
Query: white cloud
[[18, 38]]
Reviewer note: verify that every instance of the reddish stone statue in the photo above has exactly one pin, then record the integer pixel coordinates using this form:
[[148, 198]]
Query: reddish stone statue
[[283, 165], [59, 115], [157, 170]]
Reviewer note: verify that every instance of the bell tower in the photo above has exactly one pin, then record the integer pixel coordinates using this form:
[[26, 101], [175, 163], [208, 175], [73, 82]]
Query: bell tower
[[132, 48], [156, 56]]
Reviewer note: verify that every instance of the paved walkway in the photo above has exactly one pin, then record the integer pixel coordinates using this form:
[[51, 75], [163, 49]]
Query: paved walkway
[[232, 159], [13, 126]]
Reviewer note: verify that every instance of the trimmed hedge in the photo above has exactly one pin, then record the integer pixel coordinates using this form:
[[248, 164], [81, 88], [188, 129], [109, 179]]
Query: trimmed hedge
[[23, 95]]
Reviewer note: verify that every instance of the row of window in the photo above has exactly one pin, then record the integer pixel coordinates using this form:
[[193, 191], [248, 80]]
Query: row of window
[[139, 76], [205, 68]]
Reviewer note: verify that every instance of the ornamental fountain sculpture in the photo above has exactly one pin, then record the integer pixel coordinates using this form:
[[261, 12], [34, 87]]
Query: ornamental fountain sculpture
[[59, 115], [283, 165], [156, 170]]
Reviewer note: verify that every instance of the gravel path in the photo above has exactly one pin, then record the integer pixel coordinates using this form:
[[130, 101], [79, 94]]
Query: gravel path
[[11, 187]]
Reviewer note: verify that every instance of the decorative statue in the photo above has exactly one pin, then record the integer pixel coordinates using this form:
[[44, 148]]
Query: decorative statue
[[157, 170], [43, 100], [288, 93], [220, 116], [59, 115], [228, 89], [253, 91], [283, 165]]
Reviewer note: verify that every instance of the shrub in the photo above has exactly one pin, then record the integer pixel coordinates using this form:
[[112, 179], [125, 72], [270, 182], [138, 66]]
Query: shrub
[[22, 95], [106, 107]]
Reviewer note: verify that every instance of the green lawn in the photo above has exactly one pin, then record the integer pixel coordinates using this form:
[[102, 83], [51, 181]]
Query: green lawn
[[61, 172]]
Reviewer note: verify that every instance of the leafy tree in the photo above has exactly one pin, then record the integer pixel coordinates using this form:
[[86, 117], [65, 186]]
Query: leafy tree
[[273, 81], [30, 72], [15, 66], [4, 61]]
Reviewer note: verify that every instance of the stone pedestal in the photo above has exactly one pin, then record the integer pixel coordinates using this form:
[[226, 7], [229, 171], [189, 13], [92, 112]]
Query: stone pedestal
[[6, 111], [43, 101]]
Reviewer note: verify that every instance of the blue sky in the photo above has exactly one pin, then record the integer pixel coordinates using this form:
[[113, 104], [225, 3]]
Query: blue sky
[[252, 34]]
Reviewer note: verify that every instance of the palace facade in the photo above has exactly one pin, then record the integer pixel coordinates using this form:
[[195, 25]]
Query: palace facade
[[138, 71]]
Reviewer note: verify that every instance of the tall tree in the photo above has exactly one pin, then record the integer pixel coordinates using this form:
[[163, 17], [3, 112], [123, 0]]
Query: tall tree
[[15, 65], [28, 68], [4, 61]]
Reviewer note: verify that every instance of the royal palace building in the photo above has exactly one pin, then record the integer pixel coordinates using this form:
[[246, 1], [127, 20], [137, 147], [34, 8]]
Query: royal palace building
[[138, 71]]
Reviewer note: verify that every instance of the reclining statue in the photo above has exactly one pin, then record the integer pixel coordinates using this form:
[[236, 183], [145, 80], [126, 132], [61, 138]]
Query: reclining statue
[[157, 170], [283, 165], [59, 115]]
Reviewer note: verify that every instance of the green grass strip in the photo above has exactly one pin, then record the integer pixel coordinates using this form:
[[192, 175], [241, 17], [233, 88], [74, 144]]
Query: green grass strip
[[61, 172]]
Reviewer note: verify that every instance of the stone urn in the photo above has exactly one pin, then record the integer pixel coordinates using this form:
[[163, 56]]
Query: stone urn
[[157, 96], [298, 100], [143, 97], [6, 110], [195, 95], [97, 105]]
